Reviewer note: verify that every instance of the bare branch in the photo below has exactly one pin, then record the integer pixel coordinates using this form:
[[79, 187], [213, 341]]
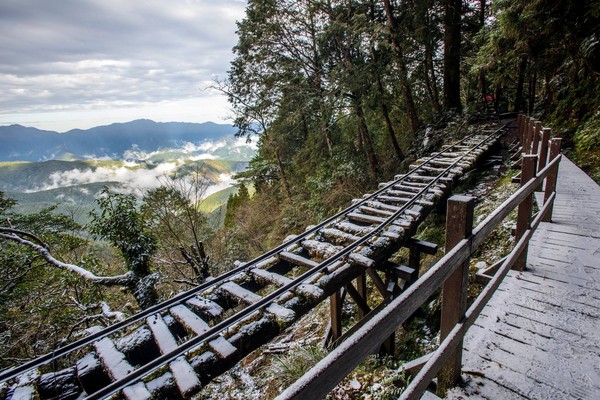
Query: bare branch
[[121, 280], [106, 310], [26, 234]]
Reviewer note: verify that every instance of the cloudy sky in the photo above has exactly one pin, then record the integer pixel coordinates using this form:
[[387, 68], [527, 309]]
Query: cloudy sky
[[80, 63]]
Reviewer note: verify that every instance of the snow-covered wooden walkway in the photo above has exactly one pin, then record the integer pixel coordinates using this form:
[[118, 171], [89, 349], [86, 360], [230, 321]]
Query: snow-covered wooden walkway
[[539, 336]]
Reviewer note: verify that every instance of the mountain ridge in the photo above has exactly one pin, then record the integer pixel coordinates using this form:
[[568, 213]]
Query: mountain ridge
[[23, 143]]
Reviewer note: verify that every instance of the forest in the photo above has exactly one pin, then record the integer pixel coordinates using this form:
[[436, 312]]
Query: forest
[[341, 94]]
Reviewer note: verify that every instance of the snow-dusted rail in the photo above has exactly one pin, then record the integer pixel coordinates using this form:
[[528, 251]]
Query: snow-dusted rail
[[172, 349]]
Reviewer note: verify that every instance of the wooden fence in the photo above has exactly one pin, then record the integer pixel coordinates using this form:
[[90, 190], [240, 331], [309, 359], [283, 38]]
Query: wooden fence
[[450, 273]]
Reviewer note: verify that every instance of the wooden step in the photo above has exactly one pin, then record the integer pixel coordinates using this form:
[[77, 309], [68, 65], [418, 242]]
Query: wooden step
[[26, 392], [137, 391], [113, 361], [238, 293], [376, 211], [319, 249], [189, 319], [394, 199], [243, 295], [403, 222], [383, 206], [222, 347], [369, 219], [295, 259], [161, 333], [263, 275], [339, 237], [414, 184], [354, 229], [205, 307], [185, 378], [407, 188], [401, 193]]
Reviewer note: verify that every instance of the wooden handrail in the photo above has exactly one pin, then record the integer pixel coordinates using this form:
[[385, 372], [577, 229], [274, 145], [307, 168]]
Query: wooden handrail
[[420, 383], [324, 376]]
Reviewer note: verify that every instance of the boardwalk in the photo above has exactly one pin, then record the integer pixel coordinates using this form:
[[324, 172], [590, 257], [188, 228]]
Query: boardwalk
[[539, 337]]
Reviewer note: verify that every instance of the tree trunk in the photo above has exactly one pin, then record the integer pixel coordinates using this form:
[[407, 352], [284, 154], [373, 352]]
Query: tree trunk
[[385, 111], [532, 85], [519, 100], [452, 39], [143, 289], [363, 133], [318, 67], [430, 78], [282, 175], [402, 71], [481, 77]]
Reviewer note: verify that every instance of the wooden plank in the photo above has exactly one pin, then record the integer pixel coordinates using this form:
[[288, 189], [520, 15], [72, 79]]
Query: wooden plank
[[539, 333], [271, 277], [459, 225], [297, 260], [376, 211], [525, 207], [161, 333], [222, 347], [369, 219], [137, 391], [547, 370], [189, 319], [113, 361], [185, 378], [239, 293], [205, 307]]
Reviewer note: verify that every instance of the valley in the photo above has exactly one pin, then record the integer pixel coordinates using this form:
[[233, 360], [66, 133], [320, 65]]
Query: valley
[[138, 162]]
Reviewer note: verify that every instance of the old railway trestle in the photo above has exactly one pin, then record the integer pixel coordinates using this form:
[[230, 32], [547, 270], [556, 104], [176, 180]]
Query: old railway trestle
[[170, 350]]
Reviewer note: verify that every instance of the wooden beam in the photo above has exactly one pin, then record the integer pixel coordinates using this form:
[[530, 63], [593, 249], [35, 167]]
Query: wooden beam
[[459, 225], [361, 288], [361, 302], [543, 155], [524, 211], [552, 177], [335, 312], [537, 127], [379, 284]]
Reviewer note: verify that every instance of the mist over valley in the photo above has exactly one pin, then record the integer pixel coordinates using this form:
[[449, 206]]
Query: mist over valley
[[42, 168]]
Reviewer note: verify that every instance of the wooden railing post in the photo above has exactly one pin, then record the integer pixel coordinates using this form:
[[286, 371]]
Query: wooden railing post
[[524, 212], [537, 127], [552, 177], [520, 124], [335, 312], [361, 288], [527, 135], [459, 225], [543, 155]]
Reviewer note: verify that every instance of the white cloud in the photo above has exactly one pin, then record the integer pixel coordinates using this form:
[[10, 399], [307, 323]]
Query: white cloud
[[225, 181], [108, 60], [131, 178]]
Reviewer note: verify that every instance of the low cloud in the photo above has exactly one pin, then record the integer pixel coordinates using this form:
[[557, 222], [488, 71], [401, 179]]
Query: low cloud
[[225, 181], [131, 178]]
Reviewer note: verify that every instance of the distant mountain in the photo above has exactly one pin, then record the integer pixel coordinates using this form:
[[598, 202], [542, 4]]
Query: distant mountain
[[20, 143]]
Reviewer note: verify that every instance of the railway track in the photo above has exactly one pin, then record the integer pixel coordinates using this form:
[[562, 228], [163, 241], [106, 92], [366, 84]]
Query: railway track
[[172, 349]]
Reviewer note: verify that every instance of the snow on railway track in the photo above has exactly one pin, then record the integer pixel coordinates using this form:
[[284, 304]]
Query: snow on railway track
[[172, 349]]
